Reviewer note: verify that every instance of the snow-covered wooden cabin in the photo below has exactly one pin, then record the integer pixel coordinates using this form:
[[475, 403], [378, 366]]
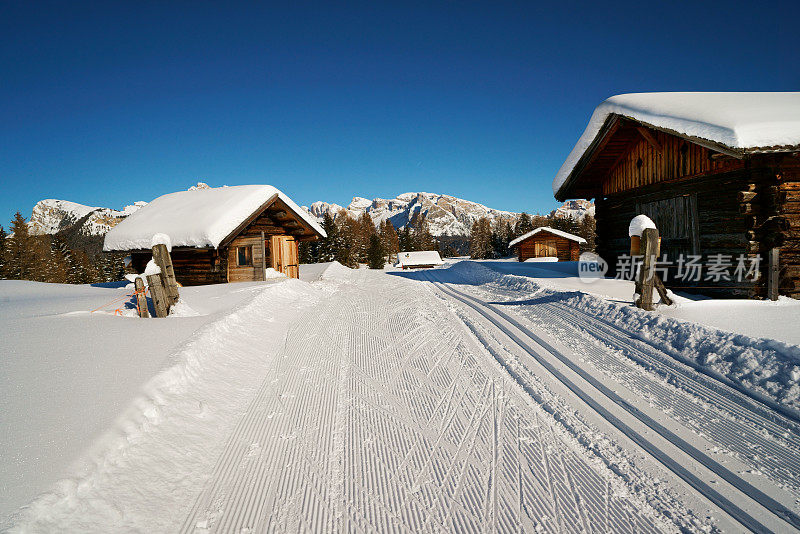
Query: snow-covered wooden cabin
[[719, 173], [222, 234], [546, 242], [419, 259]]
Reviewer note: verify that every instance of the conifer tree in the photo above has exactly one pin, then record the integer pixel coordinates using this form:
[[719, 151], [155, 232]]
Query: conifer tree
[[375, 257], [480, 242], [327, 248], [422, 237], [365, 231], [523, 225], [19, 257], [3, 237], [389, 239], [404, 240], [347, 240]]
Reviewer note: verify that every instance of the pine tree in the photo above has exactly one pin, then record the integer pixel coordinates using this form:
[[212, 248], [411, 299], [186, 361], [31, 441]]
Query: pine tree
[[404, 239], [375, 258], [3, 237], [480, 242], [347, 240], [523, 225], [19, 257], [422, 238], [389, 239], [365, 231], [327, 248], [586, 229]]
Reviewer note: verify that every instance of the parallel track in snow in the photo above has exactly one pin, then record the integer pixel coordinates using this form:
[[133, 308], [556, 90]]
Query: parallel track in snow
[[382, 414], [741, 500]]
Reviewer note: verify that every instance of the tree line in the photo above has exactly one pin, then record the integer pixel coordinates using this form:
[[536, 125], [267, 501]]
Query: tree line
[[49, 258], [489, 240], [354, 241]]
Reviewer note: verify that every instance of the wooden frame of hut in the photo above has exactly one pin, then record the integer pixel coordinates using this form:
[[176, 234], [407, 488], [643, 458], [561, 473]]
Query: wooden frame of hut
[[228, 234], [719, 174], [546, 242]]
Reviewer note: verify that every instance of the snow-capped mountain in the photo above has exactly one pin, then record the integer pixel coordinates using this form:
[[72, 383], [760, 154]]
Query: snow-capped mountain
[[575, 209], [446, 215], [51, 216]]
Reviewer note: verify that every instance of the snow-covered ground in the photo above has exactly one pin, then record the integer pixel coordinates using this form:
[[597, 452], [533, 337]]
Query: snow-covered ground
[[475, 396]]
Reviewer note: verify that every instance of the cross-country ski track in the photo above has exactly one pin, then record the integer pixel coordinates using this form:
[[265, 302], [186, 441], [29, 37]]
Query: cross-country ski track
[[424, 402]]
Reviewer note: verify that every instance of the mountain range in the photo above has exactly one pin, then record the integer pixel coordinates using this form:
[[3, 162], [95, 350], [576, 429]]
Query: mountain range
[[446, 215]]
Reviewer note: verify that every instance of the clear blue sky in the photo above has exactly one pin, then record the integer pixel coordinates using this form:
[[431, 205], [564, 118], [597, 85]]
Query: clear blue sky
[[109, 103]]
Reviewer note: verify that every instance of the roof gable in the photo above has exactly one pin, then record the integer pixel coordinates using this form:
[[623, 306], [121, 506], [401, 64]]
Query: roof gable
[[732, 123], [560, 233], [203, 218]]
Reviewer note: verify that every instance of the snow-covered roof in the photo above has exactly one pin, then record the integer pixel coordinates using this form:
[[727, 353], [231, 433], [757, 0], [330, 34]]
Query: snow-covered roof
[[746, 122], [200, 218], [420, 257], [553, 231]]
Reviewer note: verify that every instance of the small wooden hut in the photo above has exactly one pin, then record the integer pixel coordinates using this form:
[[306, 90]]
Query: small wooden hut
[[223, 234], [546, 242], [718, 173], [419, 259]]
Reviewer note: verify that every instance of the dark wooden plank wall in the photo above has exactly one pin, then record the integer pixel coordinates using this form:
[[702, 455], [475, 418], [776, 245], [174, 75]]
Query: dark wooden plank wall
[[726, 224], [192, 266], [643, 165], [788, 206]]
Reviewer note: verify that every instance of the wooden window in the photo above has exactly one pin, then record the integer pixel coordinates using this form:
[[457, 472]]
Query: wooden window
[[244, 255]]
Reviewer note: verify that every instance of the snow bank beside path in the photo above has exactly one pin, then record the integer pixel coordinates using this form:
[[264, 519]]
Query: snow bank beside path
[[66, 374], [767, 367], [143, 475]]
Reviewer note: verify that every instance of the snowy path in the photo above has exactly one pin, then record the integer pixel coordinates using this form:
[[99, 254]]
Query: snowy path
[[710, 435], [384, 414], [372, 401]]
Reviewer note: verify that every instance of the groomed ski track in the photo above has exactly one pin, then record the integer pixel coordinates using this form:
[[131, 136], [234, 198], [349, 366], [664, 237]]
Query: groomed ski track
[[678, 416], [384, 413]]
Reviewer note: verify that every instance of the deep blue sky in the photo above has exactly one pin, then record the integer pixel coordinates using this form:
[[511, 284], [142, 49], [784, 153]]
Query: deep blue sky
[[109, 103]]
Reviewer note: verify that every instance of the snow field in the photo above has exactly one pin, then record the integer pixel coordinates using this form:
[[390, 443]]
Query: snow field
[[150, 466]]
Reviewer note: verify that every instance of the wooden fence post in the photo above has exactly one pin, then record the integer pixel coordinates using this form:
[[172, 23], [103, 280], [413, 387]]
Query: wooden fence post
[[164, 261], [773, 279], [158, 295], [647, 272], [141, 299]]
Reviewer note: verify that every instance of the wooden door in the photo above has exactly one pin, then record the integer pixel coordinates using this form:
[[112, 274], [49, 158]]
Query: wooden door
[[285, 255], [546, 248]]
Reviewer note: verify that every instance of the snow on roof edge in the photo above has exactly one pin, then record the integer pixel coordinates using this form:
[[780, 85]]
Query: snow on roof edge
[[201, 218], [737, 120], [561, 233], [419, 257]]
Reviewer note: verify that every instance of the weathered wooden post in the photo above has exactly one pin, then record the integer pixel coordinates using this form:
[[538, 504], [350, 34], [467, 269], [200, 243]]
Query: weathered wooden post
[[158, 295], [169, 283], [647, 272], [141, 299], [773, 279]]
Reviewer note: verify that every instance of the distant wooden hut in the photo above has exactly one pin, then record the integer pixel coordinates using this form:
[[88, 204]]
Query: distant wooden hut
[[419, 259], [224, 234], [719, 173], [546, 242]]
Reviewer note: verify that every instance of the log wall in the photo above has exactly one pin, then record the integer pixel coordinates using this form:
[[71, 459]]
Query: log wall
[[192, 266], [566, 249]]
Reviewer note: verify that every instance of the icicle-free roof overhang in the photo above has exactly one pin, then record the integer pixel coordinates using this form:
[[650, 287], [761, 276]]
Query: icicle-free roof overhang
[[735, 124], [209, 218]]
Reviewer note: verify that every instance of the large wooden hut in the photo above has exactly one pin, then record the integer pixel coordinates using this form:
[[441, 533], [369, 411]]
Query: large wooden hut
[[546, 242], [718, 173], [224, 234]]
